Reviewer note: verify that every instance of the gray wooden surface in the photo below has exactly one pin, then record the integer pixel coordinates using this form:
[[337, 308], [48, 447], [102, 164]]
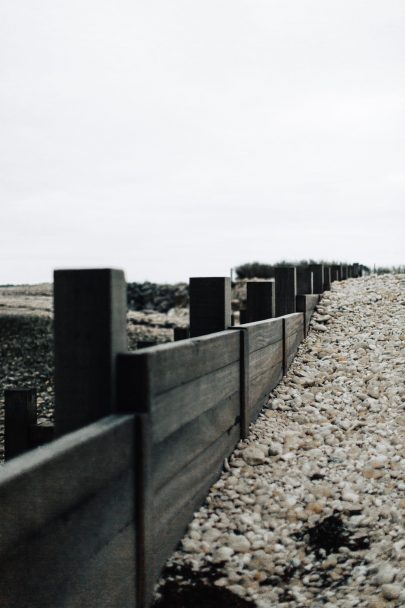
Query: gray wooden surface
[[264, 343], [293, 335], [286, 290], [307, 304], [67, 515], [210, 305], [90, 328]]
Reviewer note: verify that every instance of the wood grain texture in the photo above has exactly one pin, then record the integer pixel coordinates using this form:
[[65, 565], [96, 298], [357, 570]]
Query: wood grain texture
[[293, 336], [264, 333], [190, 440], [261, 386], [307, 304], [177, 501], [160, 368], [75, 542], [177, 407]]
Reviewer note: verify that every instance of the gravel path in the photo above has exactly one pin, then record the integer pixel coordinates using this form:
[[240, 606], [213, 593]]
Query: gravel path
[[310, 509]]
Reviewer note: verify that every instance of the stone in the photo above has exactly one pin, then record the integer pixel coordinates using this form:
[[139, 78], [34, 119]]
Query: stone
[[391, 591], [253, 456], [239, 543]]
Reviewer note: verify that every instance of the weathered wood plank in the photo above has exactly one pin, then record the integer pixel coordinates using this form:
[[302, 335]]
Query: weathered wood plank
[[169, 365], [79, 557], [261, 386], [192, 439], [67, 513], [175, 408], [293, 335], [264, 359], [306, 304], [177, 501], [264, 333], [52, 479]]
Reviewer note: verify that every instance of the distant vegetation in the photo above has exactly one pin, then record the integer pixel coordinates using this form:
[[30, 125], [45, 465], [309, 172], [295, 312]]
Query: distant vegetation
[[266, 271]]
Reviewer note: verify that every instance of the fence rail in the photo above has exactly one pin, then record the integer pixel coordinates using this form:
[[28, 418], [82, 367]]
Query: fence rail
[[91, 518]]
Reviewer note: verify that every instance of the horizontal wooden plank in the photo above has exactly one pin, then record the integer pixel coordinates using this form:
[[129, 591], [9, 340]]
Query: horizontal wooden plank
[[262, 360], [84, 558], [190, 440], [293, 338], [260, 387], [263, 333], [175, 504], [293, 323], [53, 479], [153, 371], [174, 408]]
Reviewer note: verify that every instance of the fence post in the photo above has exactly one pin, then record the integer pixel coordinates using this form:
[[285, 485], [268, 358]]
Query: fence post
[[210, 305], [20, 413], [260, 300], [343, 272], [317, 269], [327, 278], [181, 333], [90, 329], [286, 289], [305, 281], [335, 272]]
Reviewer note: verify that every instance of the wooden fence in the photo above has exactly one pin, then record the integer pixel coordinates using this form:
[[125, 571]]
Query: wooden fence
[[91, 518]]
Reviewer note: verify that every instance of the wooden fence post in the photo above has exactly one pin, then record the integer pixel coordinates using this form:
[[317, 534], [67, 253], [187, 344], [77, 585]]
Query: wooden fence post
[[343, 272], [181, 333], [90, 329], [305, 281], [210, 305], [356, 270], [20, 413], [260, 300], [286, 289], [327, 278], [317, 269], [335, 272]]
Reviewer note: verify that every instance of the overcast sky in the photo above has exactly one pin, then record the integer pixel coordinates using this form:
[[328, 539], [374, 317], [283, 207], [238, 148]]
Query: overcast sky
[[181, 138]]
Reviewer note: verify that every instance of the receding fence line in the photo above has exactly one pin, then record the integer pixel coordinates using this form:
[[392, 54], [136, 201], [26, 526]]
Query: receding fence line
[[142, 436]]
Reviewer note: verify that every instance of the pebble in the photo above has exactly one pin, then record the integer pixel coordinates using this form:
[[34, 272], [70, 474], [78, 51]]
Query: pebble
[[391, 592]]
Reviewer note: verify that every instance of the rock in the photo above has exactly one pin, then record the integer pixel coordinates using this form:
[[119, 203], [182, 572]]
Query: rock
[[275, 448], [253, 456], [386, 574], [391, 592], [239, 543], [223, 554]]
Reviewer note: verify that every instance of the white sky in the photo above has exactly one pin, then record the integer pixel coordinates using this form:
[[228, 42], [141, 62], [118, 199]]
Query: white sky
[[179, 138]]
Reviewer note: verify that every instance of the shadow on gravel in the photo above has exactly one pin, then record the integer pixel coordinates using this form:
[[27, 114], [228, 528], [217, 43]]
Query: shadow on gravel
[[185, 588], [330, 533]]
